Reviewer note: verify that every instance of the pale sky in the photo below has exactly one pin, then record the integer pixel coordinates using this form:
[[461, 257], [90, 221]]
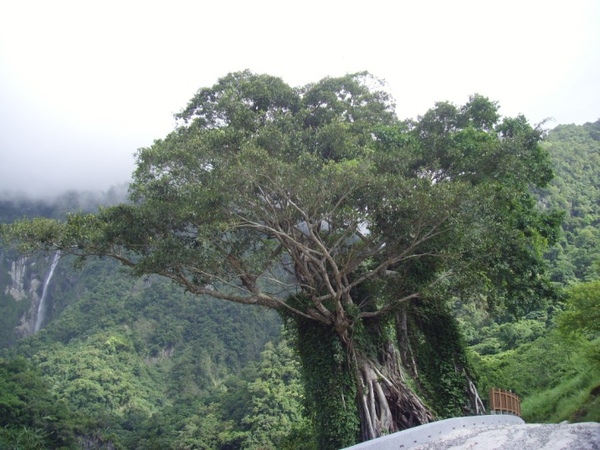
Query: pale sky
[[83, 84]]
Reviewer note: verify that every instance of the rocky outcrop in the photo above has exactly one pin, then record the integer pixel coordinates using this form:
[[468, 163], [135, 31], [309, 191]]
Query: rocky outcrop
[[25, 283], [23, 286], [489, 432], [16, 288], [562, 436]]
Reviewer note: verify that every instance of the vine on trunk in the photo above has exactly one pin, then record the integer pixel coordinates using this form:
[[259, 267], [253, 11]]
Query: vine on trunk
[[438, 351], [329, 384], [355, 390]]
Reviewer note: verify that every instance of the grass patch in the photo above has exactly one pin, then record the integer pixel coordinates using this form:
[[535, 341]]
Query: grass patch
[[575, 400]]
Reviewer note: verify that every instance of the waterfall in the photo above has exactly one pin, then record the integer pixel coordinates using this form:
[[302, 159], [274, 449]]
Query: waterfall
[[41, 312]]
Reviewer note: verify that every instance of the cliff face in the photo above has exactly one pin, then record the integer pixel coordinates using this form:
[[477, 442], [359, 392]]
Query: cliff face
[[21, 288], [25, 286], [17, 288]]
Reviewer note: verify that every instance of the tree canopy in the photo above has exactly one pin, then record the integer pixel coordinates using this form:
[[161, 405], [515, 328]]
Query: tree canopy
[[321, 182], [318, 202]]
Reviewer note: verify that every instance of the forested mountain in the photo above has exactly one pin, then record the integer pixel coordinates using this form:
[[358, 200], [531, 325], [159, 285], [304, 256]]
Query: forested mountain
[[125, 355], [356, 227], [551, 357], [124, 362], [575, 151]]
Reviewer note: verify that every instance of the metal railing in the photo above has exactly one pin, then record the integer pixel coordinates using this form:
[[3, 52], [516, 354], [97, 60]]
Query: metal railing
[[504, 402]]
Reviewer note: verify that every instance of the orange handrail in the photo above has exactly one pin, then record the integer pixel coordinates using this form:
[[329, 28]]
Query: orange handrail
[[502, 401]]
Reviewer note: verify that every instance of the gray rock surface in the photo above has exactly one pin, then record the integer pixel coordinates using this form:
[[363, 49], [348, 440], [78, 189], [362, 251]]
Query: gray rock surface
[[578, 436], [489, 432]]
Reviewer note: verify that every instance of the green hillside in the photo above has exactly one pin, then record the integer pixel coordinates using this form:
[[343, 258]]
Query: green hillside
[[120, 351], [556, 369], [125, 362]]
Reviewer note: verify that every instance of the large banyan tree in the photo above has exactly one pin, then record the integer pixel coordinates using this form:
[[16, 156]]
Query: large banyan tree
[[357, 227]]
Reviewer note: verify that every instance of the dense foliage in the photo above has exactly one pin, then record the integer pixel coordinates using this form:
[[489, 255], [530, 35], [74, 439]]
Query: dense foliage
[[31, 415], [408, 226], [576, 154], [125, 355], [364, 212], [551, 357]]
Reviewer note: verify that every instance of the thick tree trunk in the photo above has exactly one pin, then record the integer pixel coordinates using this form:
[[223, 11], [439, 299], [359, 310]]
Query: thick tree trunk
[[386, 404], [354, 395]]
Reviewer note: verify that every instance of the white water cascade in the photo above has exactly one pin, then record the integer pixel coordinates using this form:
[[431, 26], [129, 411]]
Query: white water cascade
[[41, 312]]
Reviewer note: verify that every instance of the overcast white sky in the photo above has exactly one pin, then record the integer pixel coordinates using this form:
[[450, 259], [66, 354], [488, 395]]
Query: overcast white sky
[[83, 84]]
